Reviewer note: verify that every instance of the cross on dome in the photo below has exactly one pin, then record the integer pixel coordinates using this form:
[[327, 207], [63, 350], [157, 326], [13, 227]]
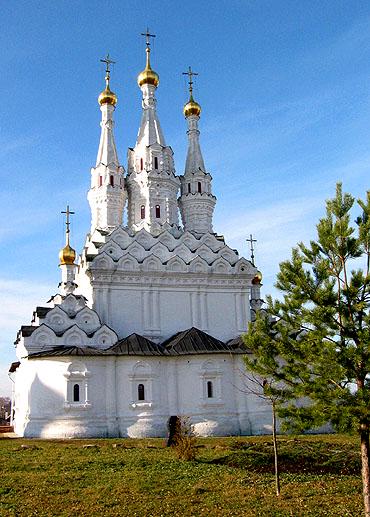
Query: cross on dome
[[190, 74], [68, 213], [67, 255], [148, 36], [251, 241], [107, 60]]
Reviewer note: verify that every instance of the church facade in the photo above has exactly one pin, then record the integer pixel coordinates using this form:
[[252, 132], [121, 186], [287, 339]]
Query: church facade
[[147, 321]]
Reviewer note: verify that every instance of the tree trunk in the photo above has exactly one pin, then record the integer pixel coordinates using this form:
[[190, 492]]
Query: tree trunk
[[365, 466], [277, 473]]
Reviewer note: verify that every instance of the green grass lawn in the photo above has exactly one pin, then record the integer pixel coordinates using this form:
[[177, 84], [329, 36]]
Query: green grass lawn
[[230, 477]]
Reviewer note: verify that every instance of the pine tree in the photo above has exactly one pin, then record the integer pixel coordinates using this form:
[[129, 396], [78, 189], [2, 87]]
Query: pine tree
[[317, 338]]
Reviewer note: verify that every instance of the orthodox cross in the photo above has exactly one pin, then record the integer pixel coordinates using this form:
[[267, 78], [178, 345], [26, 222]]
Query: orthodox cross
[[190, 74], [68, 213], [251, 241], [148, 36], [107, 60]]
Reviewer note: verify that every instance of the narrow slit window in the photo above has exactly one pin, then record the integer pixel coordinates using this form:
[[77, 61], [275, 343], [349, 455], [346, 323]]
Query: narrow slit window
[[111, 181], [141, 392], [100, 181], [155, 162], [142, 212], [199, 187], [157, 211], [189, 188], [76, 393], [141, 164], [209, 389]]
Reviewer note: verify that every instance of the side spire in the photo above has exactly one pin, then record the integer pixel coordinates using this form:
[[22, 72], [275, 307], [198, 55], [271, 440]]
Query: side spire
[[196, 201], [67, 264], [107, 195]]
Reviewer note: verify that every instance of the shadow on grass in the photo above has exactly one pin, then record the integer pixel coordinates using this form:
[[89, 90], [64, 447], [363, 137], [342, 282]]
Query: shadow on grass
[[300, 458]]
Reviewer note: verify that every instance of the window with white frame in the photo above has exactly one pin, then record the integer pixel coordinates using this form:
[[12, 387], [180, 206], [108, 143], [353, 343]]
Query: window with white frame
[[141, 381], [211, 384], [77, 386]]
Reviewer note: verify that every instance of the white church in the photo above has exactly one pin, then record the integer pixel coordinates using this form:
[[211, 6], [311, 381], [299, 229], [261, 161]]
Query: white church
[[148, 318]]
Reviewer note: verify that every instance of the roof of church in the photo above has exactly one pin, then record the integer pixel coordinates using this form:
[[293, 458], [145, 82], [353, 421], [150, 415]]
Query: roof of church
[[171, 249], [68, 350], [187, 342], [14, 366], [136, 345], [194, 341], [237, 345]]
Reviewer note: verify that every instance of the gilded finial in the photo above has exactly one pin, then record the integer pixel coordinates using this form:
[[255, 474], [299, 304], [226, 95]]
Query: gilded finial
[[107, 96], [191, 107], [148, 76], [67, 255]]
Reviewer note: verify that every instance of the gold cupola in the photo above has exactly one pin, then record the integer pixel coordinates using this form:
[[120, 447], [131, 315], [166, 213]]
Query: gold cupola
[[191, 107], [107, 96], [148, 76], [257, 278], [67, 255]]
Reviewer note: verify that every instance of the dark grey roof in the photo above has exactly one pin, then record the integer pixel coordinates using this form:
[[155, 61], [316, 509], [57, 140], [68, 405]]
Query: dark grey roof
[[188, 342], [136, 345], [25, 331], [14, 366], [41, 312], [194, 341], [68, 350], [237, 345]]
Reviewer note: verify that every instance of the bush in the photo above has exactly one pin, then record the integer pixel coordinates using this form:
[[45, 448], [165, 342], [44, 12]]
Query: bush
[[185, 439]]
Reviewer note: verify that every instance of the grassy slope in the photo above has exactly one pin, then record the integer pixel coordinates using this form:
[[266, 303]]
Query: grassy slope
[[231, 477]]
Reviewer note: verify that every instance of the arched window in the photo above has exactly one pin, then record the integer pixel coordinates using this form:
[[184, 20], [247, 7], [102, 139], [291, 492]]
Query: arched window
[[209, 389], [141, 164], [155, 162], [141, 392], [189, 188], [142, 212], [157, 211], [76, 393], [111, 181], [100, 181], [199, 187]]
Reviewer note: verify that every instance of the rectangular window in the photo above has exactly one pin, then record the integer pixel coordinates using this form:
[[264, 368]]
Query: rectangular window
[[100, 181], [199, 187], [155, 162], [157, 211], [76, 393], [141, 164], [142, 212], [209, 389], [112, 181], [189, 188], [141, 392]]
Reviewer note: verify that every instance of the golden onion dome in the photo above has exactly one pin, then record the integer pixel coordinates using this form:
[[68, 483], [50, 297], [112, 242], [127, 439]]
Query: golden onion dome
[[67, 255], [257, 278], [192, 108], [107, 96], [148, 76]]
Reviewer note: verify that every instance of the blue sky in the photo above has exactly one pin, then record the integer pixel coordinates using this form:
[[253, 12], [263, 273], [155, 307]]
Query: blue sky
[[285, 93]]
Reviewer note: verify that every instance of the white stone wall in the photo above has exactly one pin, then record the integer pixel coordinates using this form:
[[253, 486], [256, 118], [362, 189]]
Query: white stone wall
[[109, 404]]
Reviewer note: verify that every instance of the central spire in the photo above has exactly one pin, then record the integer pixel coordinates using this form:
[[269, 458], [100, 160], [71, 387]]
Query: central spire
[[151, 180], [148, 76], [150, 131]]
